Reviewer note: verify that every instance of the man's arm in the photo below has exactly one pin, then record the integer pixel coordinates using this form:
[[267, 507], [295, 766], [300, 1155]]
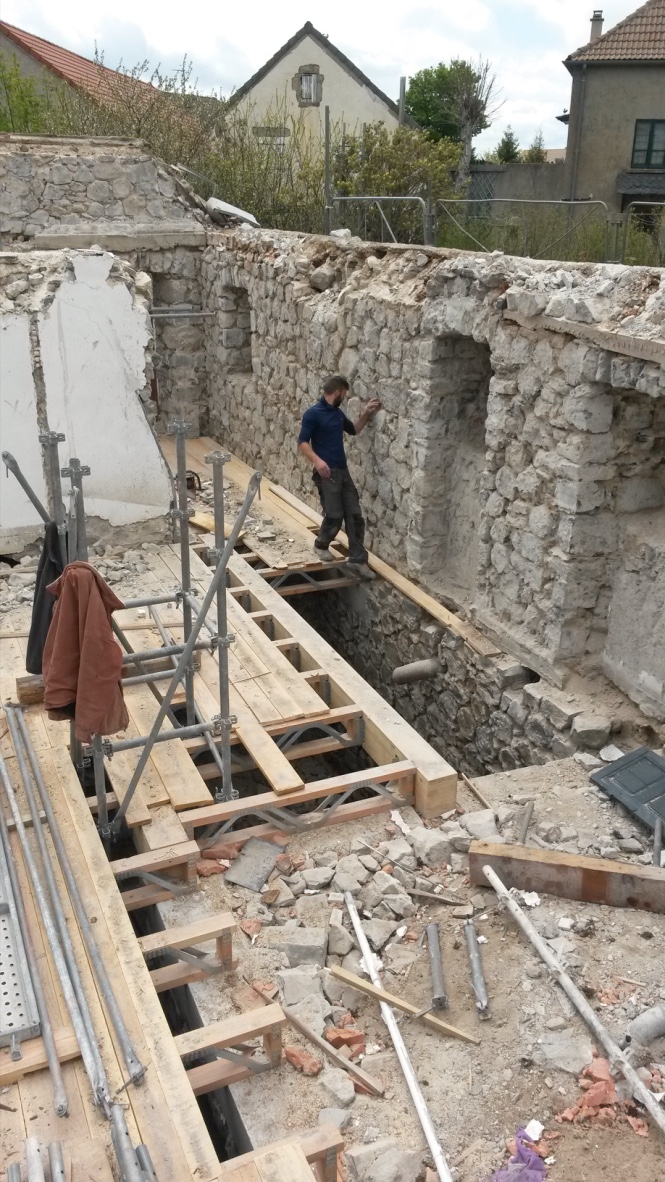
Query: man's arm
[[318, 464], [368, 413]]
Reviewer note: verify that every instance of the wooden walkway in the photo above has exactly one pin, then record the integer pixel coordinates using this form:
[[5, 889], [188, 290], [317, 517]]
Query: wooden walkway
[[284, 677]]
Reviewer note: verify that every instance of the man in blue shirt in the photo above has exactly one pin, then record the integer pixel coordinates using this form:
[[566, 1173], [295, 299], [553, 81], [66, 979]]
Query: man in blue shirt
[[321, 440]]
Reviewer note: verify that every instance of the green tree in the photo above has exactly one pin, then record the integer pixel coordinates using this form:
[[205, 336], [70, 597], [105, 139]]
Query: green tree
[[535, 153], [508, 150], [427, 101], [22, 106]]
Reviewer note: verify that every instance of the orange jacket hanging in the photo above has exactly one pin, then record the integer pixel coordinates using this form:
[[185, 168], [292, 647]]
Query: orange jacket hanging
[[82, 661]]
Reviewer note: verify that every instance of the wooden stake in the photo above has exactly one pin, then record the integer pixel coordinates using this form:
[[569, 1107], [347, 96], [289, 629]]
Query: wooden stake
[[401, 1004]]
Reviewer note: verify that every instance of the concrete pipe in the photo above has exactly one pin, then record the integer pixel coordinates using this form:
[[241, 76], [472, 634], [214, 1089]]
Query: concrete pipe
[[416, 671]]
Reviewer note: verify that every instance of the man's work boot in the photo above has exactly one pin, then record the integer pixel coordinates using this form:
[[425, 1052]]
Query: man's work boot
[[325, 555], [361, 571]]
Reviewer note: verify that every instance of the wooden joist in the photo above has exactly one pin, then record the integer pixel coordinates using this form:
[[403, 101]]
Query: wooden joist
[[320, 1147], [219, 927], [181, 858], [570, 876], [266, 1022], [331, 786], [401, 1003]]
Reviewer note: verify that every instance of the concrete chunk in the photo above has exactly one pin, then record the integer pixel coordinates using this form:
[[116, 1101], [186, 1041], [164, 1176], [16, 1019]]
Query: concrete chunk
[[589, 730], [338, 1087], [431, 846], [378, 932], [296, 984], [352, 865], [319, 877], [383, 1161], [480, 824], [302, 945]]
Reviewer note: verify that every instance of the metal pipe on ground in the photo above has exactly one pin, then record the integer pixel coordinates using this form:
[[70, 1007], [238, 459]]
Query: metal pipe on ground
[[439, 995], [615, 1054], [60, 1102], [658, 842], [420, 1104], [33, 1160], [134, 1066], [218, 577], [416, 671], [525, 822], [477, 975]]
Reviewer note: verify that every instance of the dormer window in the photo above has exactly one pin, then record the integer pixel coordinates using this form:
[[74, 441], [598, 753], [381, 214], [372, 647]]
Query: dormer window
[[308, 85]]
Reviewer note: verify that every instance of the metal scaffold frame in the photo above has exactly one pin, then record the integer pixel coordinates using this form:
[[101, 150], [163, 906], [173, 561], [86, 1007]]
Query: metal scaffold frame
[[72, 539]]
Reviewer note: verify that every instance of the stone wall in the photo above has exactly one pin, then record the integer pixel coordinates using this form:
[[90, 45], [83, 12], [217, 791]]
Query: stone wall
[[46, 183], [510, 450], [480, 712]]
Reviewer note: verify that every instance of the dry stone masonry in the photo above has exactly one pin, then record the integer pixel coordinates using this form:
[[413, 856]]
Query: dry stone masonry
[[517, 463]]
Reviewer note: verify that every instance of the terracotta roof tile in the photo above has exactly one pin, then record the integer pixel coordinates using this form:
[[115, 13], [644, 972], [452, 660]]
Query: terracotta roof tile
[[70, 67], [640, 37]]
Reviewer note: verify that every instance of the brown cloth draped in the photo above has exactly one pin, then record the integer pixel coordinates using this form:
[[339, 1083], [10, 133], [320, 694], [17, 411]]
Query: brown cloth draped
[[82, 661]]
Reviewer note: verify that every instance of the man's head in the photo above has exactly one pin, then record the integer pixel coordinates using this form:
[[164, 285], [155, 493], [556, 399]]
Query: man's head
[[336, 389]]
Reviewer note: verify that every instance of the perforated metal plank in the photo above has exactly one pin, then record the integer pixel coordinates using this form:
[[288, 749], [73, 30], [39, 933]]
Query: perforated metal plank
[[19, 1018], [637, 781]]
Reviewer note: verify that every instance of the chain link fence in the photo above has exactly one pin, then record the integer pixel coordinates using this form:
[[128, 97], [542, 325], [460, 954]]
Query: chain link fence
[[569, 231]]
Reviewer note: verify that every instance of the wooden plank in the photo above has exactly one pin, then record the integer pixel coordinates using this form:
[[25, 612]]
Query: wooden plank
[[315, 1146], [228, 1032], [571, 876], [172, 976], [388, 736], [33, 1056], [208, 928], [168, 1119], [163, 829], [144, 896], [248, 1173], [276, 767], [219, 1073], [284, 1165], [332, 785], [176, 770], [401, 1003], [164, 859]]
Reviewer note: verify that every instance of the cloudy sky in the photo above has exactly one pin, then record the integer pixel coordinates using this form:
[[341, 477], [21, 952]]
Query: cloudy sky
[[525, 40]]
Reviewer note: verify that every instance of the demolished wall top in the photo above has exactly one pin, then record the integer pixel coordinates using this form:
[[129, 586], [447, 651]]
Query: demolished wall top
[[47, 183]]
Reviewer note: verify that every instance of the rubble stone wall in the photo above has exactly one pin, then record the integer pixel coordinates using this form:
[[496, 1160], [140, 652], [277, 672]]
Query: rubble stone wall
[[61, 182], [479, 712], [519, 510]]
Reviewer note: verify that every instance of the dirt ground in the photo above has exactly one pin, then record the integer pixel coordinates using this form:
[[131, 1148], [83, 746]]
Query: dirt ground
[[477, 1096]]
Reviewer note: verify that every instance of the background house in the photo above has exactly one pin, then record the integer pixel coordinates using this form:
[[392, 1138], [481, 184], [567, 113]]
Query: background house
[[616, 125], [307, 74]]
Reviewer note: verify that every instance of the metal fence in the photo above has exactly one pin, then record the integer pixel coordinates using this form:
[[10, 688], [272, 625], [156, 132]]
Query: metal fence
[[566, 231]]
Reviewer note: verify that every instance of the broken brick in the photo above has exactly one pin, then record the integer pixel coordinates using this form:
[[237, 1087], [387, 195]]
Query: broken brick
[[343, 1037], [206, 869], [227, 849], [251, 927], [303, 1060]]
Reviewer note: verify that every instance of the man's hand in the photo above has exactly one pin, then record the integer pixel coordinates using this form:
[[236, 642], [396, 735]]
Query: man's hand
[[322, 468], [372, 406], [367, 413]]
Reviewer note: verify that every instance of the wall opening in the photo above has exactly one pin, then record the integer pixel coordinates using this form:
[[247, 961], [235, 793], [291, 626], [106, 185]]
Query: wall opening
[[454, 438]]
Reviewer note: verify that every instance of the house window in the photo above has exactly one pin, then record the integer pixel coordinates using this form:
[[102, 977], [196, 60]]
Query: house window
[[649, 144], [308, 85]]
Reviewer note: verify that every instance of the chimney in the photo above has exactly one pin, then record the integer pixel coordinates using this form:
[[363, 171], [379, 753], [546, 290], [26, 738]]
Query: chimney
[[596, 24]]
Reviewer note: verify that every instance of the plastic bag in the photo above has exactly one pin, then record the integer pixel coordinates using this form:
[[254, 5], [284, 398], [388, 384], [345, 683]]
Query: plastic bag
[[525, 1166]]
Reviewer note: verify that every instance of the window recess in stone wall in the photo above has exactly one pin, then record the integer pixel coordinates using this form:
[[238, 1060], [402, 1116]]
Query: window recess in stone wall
[[449, 438], [233, 325]]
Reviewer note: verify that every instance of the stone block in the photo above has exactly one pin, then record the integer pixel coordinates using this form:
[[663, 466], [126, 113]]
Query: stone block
[[351, 864], [313, 1010], [431, 846], [346, 882], [296, 984], [638, 493], [302, 945], [589, 408], [386, 884], [338, 1087], [480, 824], [383, 1160], [339, 1118], [558, 710], [319, 877], [590, 730], [340, 942], [378, 932], [399, 851], [322, 278]]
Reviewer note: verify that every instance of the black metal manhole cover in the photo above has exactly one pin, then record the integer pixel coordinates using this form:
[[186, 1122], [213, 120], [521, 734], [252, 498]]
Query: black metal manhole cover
[[637, 780]]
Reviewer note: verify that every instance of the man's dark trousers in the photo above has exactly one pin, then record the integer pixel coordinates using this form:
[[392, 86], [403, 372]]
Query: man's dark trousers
[[341, 505]]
